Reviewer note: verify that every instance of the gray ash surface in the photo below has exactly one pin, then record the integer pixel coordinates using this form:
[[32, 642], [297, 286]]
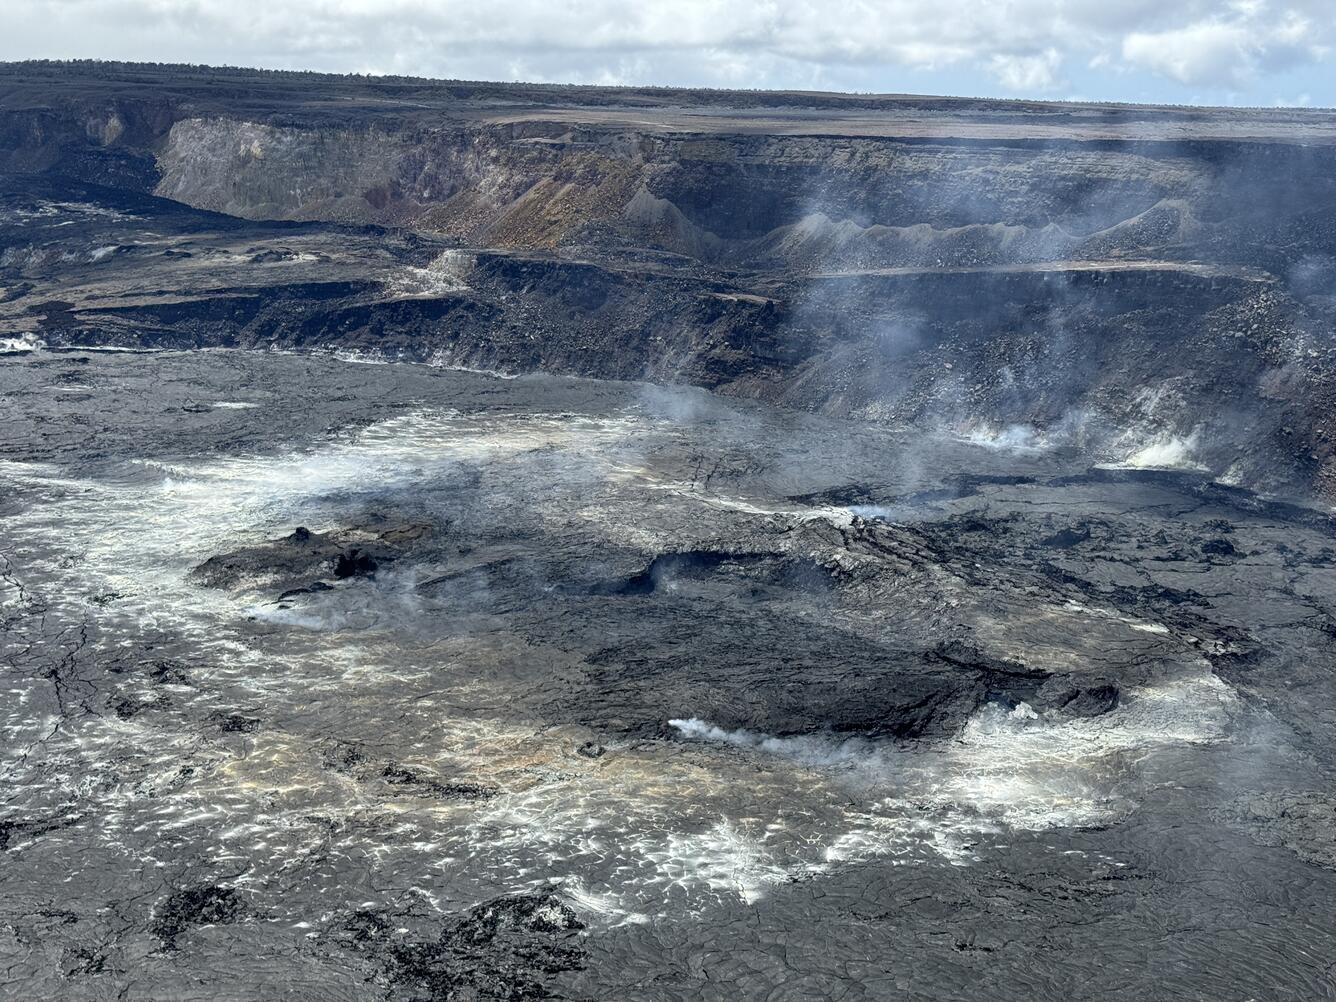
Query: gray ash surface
[[470, 541], [410, 683]]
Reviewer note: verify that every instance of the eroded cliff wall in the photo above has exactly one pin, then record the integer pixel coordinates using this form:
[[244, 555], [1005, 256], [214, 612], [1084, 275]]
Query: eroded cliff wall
[[1143, 278]]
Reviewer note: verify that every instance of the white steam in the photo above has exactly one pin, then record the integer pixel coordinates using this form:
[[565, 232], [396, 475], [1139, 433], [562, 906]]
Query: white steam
[[1014, 768], [446, 273], [361, 604], [1007, 438], [1166, 452], [22, 343]]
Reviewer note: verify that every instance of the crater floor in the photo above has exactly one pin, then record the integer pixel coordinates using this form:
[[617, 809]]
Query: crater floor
[[331, 680]]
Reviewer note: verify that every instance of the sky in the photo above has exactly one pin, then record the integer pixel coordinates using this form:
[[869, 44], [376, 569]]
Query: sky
[[1234, 52]]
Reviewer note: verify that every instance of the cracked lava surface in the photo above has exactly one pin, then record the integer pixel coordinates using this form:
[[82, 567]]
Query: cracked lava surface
[[329, 680]]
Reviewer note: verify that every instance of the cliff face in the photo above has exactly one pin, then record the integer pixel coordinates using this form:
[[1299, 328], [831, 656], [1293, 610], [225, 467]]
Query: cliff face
[[407, 682], [897, 182], [801, 202], [1101, 275]]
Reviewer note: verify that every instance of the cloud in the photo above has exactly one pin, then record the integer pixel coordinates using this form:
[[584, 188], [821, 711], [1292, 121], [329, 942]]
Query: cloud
[[1026, 73], [1228, 51], [1033, 47]]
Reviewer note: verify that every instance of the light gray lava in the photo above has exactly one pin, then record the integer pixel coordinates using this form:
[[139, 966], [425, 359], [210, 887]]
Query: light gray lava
[[474, 542], [407, 682]]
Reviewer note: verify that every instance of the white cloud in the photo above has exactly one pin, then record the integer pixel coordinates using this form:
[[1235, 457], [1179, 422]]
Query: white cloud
[[1199, 53], [1028, 74], [1228, 51], [1018, 46]]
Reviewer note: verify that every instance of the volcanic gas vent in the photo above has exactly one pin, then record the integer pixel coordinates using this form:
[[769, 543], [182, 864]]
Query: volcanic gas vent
[[488, 541]]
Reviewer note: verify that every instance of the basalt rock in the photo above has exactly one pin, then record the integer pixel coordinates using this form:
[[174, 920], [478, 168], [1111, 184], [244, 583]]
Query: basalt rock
[[833, 262], [207, 904], [1080, 698], [970, 638], [294, 564]]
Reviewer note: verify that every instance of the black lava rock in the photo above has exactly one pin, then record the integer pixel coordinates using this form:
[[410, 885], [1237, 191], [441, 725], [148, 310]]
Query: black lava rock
[[207, 904], [354, 564]]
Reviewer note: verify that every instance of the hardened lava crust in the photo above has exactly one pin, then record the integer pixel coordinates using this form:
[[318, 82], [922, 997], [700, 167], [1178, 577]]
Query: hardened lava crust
[[491, 542]]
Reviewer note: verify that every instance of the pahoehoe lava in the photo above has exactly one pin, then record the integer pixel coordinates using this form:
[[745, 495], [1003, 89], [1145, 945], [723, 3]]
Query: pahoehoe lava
[[477, 541]]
